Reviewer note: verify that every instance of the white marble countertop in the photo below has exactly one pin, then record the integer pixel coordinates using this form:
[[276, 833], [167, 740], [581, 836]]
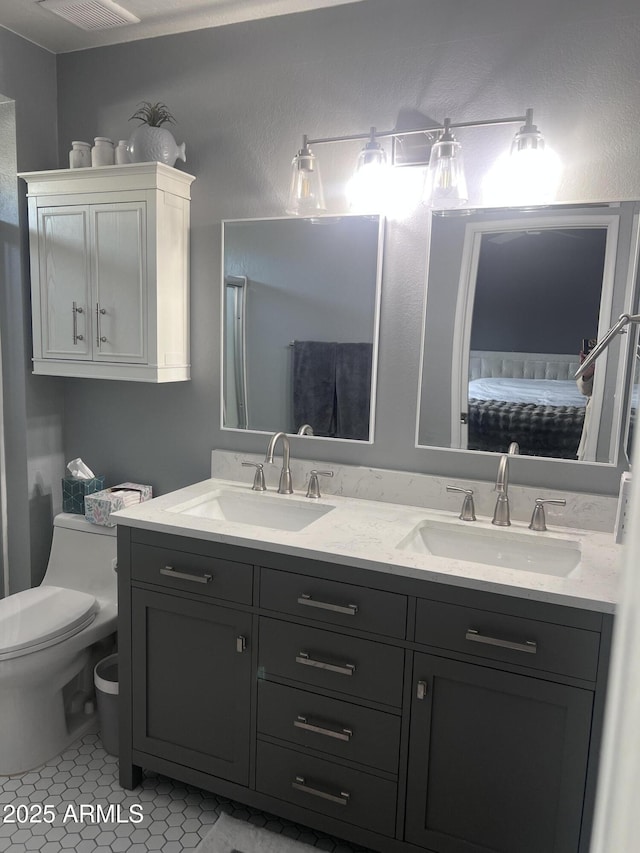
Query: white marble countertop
[[366, 533]]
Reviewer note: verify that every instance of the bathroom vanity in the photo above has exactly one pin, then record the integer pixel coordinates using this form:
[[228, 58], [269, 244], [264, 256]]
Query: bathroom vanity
[[399, 700]]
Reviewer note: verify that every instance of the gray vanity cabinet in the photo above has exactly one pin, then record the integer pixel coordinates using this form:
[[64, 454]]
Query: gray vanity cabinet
[[186, 643], [497, 761], [192, 683], [399, 714]]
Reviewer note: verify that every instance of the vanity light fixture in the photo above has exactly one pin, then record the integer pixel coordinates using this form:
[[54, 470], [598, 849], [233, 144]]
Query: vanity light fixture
[[532, 170], [528, 174], [446, 184], [369, 186], [306, 196]]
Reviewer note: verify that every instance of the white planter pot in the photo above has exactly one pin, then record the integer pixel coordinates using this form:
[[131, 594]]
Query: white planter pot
[[154, 144]]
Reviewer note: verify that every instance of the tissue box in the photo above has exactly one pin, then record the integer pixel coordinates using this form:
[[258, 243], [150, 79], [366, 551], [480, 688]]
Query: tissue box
[[74, 492], [99, 506]]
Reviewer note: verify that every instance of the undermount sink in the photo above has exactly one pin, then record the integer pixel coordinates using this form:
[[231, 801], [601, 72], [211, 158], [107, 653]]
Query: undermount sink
[[256, 508], [505, 548]]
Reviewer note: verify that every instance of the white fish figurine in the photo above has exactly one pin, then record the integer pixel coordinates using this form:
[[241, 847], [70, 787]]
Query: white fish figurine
[[155, 144]]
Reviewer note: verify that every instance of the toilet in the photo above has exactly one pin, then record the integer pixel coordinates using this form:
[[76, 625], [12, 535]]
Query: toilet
[[51, 636]]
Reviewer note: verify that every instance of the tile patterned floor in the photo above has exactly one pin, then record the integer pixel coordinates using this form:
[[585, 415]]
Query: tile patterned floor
[[171, 817]]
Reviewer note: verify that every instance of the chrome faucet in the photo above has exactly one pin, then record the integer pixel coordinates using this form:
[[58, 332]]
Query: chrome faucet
[[284, 487], [501, 515]]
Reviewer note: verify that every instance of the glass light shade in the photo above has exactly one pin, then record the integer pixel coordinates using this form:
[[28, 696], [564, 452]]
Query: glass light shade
[[530, 177], [368, 189], [528, 174], [306, 196], [446, 184]]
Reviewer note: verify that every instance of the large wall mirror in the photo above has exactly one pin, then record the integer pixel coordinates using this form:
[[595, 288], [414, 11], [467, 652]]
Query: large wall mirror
[[300, 318], [513, 299]]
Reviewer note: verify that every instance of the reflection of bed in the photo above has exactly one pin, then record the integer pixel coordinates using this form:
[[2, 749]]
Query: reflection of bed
[[548, 392], [539, 406]]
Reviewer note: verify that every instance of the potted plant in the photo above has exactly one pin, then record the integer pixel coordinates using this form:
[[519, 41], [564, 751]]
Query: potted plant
[[151, 141]]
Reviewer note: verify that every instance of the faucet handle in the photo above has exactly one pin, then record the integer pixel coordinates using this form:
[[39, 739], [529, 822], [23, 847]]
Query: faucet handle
[[314, 487], [258, 480], [468, 511], [538, 521]]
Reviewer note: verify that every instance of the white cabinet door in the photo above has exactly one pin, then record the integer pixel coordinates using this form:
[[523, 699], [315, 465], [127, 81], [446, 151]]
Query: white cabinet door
[[63, 242], [119, 281]]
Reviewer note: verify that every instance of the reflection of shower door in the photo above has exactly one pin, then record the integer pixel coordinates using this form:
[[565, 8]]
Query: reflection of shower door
[[235, 402]]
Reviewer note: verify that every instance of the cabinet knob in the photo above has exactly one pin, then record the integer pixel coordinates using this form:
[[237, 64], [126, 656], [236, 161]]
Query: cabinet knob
[[421, 690], [241, 644]]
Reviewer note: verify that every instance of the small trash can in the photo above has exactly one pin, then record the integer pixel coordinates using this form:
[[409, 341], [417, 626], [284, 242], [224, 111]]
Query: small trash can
[[106, 680]]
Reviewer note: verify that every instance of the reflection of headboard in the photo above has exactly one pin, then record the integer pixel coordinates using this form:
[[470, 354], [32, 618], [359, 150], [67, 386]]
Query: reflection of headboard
[[522, 365]]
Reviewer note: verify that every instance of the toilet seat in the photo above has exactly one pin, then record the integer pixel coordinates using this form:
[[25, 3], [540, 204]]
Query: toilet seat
[[40, 617]]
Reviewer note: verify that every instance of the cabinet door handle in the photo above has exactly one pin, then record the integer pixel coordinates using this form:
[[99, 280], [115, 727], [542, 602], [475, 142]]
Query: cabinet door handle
[[342, 799], [100, 338], [305, 660], [529, 646], [421, 690], [339, 734], [185, 576], [75, 310], [241, 644], [347, 609]]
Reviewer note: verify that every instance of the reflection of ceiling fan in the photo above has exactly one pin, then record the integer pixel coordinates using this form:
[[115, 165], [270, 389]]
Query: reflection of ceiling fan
[[507, 236]]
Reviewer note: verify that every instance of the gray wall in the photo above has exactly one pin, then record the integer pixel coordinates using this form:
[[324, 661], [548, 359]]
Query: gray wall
[[244, 94], [539, 292], [32, 406]]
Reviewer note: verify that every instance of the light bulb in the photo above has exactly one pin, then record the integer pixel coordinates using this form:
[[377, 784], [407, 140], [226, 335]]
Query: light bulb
[[368, 188], [305, 192], [446, 184], [528, 175]]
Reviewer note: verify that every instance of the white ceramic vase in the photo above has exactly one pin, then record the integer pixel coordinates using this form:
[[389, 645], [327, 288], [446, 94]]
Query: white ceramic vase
[[154, 144]]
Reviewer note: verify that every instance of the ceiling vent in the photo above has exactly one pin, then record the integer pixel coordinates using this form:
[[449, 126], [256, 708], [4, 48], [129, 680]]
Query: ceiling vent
[[91, 14]]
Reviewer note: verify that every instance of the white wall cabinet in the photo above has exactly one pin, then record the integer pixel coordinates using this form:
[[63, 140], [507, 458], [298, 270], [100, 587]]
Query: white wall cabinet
[[110, 272]]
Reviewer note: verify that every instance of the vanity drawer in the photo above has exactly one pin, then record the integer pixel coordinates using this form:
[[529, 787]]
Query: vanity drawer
[[334, 602], [180, 570], [325, 659], [338, 728], [320, 786], [512, 639]]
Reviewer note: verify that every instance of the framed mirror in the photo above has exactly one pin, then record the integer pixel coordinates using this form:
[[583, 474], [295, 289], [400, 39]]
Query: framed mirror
[[300, 321], [515, 298]]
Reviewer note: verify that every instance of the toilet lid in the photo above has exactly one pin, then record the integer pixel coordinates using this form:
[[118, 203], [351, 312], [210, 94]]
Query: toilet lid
[[42, 616]]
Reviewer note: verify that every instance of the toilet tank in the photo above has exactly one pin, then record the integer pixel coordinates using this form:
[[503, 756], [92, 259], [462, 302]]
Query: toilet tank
[[82, 557]]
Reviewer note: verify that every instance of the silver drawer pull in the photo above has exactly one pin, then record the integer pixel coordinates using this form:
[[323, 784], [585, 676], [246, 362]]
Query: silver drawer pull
[[185, 576], [339, 734], [342, 799], [348, 609], [305, 660], [529, 646], [75, 310]]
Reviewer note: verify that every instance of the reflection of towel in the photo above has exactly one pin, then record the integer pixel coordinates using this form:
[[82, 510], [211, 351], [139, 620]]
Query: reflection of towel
[[314, 385], [353, 390]]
